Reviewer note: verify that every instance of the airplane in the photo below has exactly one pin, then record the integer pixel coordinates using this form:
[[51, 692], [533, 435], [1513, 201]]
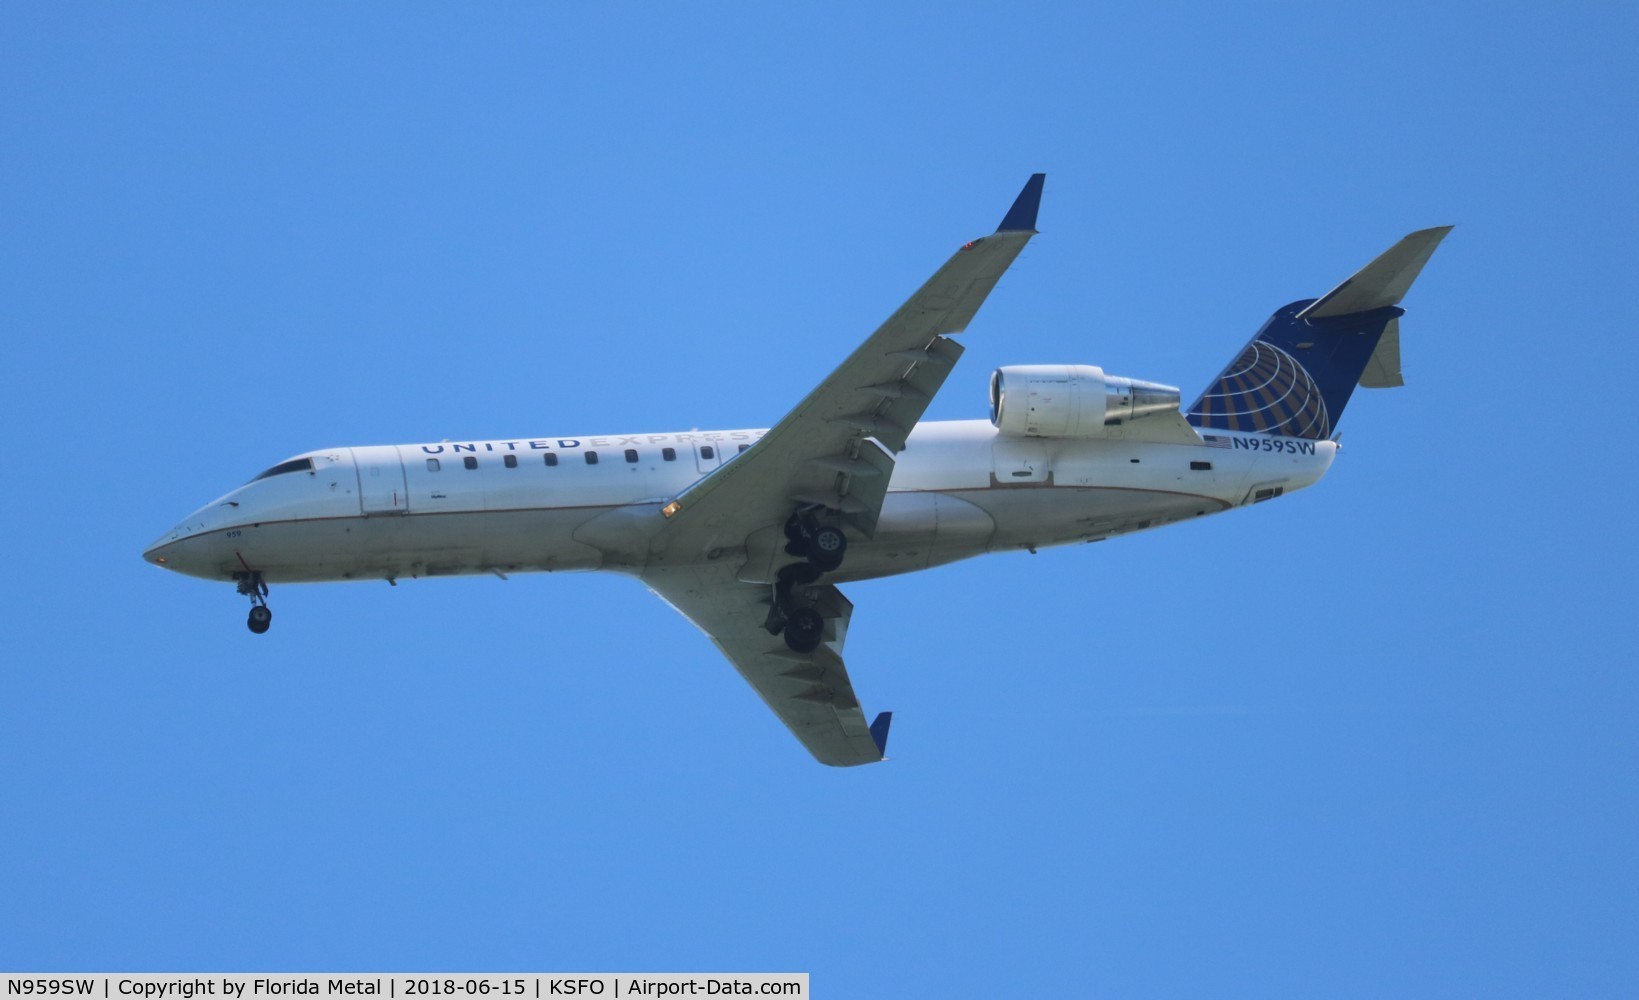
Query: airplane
[[747, 533]]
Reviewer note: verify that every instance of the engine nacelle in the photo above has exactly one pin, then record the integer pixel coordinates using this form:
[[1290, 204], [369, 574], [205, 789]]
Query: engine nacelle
[[1073, 401]]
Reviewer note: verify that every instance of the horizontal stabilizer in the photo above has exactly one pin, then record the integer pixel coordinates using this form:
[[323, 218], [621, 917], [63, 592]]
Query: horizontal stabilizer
[[1383, 282]]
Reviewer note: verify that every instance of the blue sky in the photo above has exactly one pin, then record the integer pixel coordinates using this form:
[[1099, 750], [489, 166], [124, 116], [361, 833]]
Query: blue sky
[[1374, 739]]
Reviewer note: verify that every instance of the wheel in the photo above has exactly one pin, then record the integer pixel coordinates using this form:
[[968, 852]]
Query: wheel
[[804, 630], [830, 542], [827, 548], [260, 619]]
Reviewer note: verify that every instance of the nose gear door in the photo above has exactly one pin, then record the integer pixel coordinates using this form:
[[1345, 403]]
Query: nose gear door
[[381, 481]]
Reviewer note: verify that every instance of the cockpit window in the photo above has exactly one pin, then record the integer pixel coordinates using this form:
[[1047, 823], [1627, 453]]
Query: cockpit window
[[294, 465]]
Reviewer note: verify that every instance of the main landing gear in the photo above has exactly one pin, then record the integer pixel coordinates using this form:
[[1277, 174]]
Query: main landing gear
[[822, 546], [804, 630], [252, 586]]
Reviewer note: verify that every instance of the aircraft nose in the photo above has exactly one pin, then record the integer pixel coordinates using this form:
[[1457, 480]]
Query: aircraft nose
[[155, 552], [190, 553], [178, 548], [193, 546]]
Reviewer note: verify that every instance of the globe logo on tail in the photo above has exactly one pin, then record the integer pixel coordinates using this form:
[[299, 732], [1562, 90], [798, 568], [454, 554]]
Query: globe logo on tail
[[1266, 391]]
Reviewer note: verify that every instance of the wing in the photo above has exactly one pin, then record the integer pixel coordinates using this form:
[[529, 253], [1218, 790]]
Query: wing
[[836, 448], [810, 692], [833, 451]]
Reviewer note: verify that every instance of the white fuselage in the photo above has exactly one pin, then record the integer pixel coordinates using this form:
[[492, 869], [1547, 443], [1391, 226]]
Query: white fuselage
[[959, 489]]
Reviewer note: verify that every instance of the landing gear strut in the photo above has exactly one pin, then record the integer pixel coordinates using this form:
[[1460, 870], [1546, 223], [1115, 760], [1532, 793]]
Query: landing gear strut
[[785, 608], [252, 586]]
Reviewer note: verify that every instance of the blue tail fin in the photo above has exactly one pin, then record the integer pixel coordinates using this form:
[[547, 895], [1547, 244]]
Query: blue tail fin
[[1295, 377], [1297, 374]]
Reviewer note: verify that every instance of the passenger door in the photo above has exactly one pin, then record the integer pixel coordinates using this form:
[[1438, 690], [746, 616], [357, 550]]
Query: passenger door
[[381, 481]]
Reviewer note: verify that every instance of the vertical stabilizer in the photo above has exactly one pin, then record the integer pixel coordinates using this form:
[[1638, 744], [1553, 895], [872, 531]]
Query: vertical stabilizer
[[1297, 374]]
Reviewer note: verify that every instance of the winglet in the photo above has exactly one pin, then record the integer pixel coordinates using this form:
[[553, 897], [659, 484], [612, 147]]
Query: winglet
[[879, 725], [1022, 216]]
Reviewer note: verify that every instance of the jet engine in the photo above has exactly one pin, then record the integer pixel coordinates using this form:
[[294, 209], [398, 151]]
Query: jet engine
[[1071, 401]]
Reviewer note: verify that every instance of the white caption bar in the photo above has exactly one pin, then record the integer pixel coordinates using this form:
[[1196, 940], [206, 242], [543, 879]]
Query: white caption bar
[[398, 985]]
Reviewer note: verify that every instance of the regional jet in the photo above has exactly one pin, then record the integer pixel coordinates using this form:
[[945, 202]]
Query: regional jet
[[749, 533]]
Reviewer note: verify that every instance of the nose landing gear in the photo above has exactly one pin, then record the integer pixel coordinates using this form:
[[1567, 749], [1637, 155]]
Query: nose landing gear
[[252, 586]]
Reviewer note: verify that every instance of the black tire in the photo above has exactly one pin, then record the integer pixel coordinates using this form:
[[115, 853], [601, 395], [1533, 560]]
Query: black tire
[[261, 619], [827, 548], [804, 630], [799, 573]]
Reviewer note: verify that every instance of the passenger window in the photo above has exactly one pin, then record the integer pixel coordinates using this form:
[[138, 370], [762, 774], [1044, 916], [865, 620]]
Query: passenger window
[[1200, 466], [551, 458], [669, 454], [707, 451], [470, 461], [631, 454], [432, 465], [591, 458], [743, 447], [510, 461]]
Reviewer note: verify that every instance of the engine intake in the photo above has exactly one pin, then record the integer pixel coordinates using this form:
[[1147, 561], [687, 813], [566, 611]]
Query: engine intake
[[1074, 401]]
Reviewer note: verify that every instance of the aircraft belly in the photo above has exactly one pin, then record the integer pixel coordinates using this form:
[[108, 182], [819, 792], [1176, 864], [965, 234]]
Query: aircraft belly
[[918, 530], [1039, 517]]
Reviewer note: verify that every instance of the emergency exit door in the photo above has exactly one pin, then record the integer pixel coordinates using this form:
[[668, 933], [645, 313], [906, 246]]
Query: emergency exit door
[[708, 456]]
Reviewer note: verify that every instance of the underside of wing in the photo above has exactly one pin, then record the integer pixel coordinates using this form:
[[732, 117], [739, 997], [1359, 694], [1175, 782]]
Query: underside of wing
[[810, 692]]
